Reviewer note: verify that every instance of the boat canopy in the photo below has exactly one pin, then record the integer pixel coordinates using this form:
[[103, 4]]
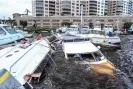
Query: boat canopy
[[79, 47]]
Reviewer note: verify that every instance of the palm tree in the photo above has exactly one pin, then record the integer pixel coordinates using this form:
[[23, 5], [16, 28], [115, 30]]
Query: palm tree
[[23, 23], [91, 25]]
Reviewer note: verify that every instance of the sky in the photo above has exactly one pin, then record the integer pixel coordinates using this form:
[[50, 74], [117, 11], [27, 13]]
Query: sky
[[8, 7]]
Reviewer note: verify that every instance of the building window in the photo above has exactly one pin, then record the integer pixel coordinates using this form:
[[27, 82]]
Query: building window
[[29, 23], [102, 20], [39, 14], [76, 20], [46, 24], [55, 20], [37, 20], [29, 20], [45, 20], [46, 5], [110, 20], [66, 20], [38, 23]]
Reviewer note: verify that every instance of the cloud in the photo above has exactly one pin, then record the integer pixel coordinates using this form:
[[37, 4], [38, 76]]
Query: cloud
[[8, 7]]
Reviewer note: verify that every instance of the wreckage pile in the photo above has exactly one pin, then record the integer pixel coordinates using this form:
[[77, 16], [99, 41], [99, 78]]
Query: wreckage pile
[[69, 75]]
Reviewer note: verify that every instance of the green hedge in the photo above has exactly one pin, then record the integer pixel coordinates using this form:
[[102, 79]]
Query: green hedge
[[39, 29]]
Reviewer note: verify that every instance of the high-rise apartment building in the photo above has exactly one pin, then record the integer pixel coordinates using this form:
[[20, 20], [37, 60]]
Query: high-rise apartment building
[[90, 7], [98, 7], [120, 7], [57, 7], [69, 7]]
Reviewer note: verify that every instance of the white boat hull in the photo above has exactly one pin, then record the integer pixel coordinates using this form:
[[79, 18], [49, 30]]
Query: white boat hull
[[21, 61], [111, 40], [101, 38]]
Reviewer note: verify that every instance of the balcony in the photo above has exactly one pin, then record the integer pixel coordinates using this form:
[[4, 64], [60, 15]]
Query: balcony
[[39, 15], [93, 4], [53, 8], [51, 5], [66, 2], [92, 14], [93, 8], [66, 6], [93, 1], [52, 2], [65, 9]]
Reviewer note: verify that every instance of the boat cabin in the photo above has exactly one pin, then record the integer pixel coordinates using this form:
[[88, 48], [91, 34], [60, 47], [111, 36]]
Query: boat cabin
[[8, 34], [97, 27], [61, 30], [108, 28], [100, 32], [82, 49]]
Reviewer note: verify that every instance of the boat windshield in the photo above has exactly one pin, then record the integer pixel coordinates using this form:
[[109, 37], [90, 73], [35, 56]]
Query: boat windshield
[[108, 27], [84, 31], [10, 29], [76, 40], [90, 57], [17, 28], [98, 55]]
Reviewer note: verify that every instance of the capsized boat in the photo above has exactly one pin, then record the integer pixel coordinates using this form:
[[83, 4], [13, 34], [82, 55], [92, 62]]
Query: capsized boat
[[84, 50], [24, 59], [9, 34]]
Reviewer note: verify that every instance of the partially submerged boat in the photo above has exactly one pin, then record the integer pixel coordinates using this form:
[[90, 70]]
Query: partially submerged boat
[[87, 53], [24, 59], [82, 47], [9, 34]]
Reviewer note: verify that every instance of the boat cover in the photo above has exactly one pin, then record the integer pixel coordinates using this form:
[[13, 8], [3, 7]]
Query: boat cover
[[79, 47]]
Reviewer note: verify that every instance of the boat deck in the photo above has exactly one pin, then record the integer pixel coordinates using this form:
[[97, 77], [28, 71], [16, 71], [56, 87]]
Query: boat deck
[[21, 61]]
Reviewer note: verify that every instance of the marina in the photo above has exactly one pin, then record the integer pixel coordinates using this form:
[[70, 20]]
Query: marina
[[67, 73], [81, 44]]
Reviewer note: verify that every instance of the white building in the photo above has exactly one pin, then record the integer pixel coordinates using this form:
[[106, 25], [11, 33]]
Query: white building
[[69, 7], [120, 7], [98, 7]]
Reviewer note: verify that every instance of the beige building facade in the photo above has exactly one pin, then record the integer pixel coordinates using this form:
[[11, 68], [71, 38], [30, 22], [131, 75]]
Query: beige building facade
[[56, 21]]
